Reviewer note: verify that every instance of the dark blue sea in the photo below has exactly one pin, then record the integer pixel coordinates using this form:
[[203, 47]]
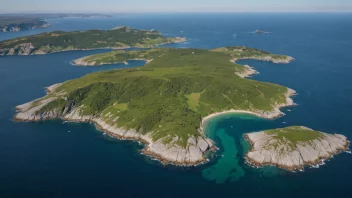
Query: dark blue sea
[[56, 159]]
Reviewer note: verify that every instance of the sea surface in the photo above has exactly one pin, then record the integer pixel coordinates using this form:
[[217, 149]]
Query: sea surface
[[57, 159]]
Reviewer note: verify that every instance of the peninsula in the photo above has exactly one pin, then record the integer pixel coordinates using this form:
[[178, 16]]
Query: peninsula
[[22, 22], [19, 23], [293, 148], [117, 38], [164, 103]]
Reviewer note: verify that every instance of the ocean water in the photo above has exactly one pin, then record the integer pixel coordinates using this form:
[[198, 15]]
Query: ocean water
[[56, 159]]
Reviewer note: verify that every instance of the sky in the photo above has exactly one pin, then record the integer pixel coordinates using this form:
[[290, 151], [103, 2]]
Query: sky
[[142, 6]]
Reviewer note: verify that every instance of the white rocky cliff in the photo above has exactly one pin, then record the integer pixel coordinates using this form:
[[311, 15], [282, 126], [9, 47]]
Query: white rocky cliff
[[284, 153]]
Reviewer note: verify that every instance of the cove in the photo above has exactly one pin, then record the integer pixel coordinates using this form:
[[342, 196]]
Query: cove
[[227, 131]]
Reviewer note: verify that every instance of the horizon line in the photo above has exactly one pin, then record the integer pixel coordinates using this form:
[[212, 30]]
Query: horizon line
[[164, 12]]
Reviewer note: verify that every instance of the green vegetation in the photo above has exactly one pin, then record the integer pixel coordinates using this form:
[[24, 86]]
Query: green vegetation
[[56, 104], [193, 101], [169, 95], [294, 134], [240, 52], [120, 37]]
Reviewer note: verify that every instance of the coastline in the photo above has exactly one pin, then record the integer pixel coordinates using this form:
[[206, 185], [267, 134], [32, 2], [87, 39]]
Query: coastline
[[287, 60], [249, 72], [275, 113], [81, 62], [150, 148], [191, 155]]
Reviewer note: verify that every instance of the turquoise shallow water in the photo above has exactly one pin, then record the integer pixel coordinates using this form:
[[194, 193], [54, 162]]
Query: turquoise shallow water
[[227, 131], [52, 159]]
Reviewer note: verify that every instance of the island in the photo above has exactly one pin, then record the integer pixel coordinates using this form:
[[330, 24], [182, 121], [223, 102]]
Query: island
[[166, 102], [118, 38], [22, 22], [18, 23], [293, 148], [260, 32]]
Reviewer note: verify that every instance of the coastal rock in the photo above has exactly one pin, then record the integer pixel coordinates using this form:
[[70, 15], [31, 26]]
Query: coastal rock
[[20, 49], [30, 111], [278, 60], [293, 148], [83, 62], [248, 72], [52, 88]]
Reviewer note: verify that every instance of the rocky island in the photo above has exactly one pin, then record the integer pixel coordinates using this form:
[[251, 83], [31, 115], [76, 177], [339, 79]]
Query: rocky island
[[117, 38], [293, 148], [260, 32], [165, 102]]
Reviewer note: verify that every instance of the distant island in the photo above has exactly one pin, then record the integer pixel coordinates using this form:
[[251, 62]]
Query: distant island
[[293, 148], [164, 103], [117, 38], [260, 32], [22, 22], [16, 24]]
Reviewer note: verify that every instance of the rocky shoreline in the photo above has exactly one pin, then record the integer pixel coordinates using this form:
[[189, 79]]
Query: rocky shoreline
[[82, 62], [170, 153], [267, 151], [191, 155], [248, 72], [167, 153], [285, 60]]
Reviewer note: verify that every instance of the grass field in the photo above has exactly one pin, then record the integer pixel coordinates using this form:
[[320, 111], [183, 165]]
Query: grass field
[[294, 134]]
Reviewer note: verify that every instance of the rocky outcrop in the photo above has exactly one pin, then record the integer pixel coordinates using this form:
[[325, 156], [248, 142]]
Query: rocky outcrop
[[284, 60], [83, 62], [267, 149], [52, 88], [168, 153], [29, 111], [248, 72], [20, 49], [278, 60]]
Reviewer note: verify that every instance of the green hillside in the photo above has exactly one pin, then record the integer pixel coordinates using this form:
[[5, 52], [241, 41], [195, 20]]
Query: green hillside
[[167, 96], [120, 37]]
